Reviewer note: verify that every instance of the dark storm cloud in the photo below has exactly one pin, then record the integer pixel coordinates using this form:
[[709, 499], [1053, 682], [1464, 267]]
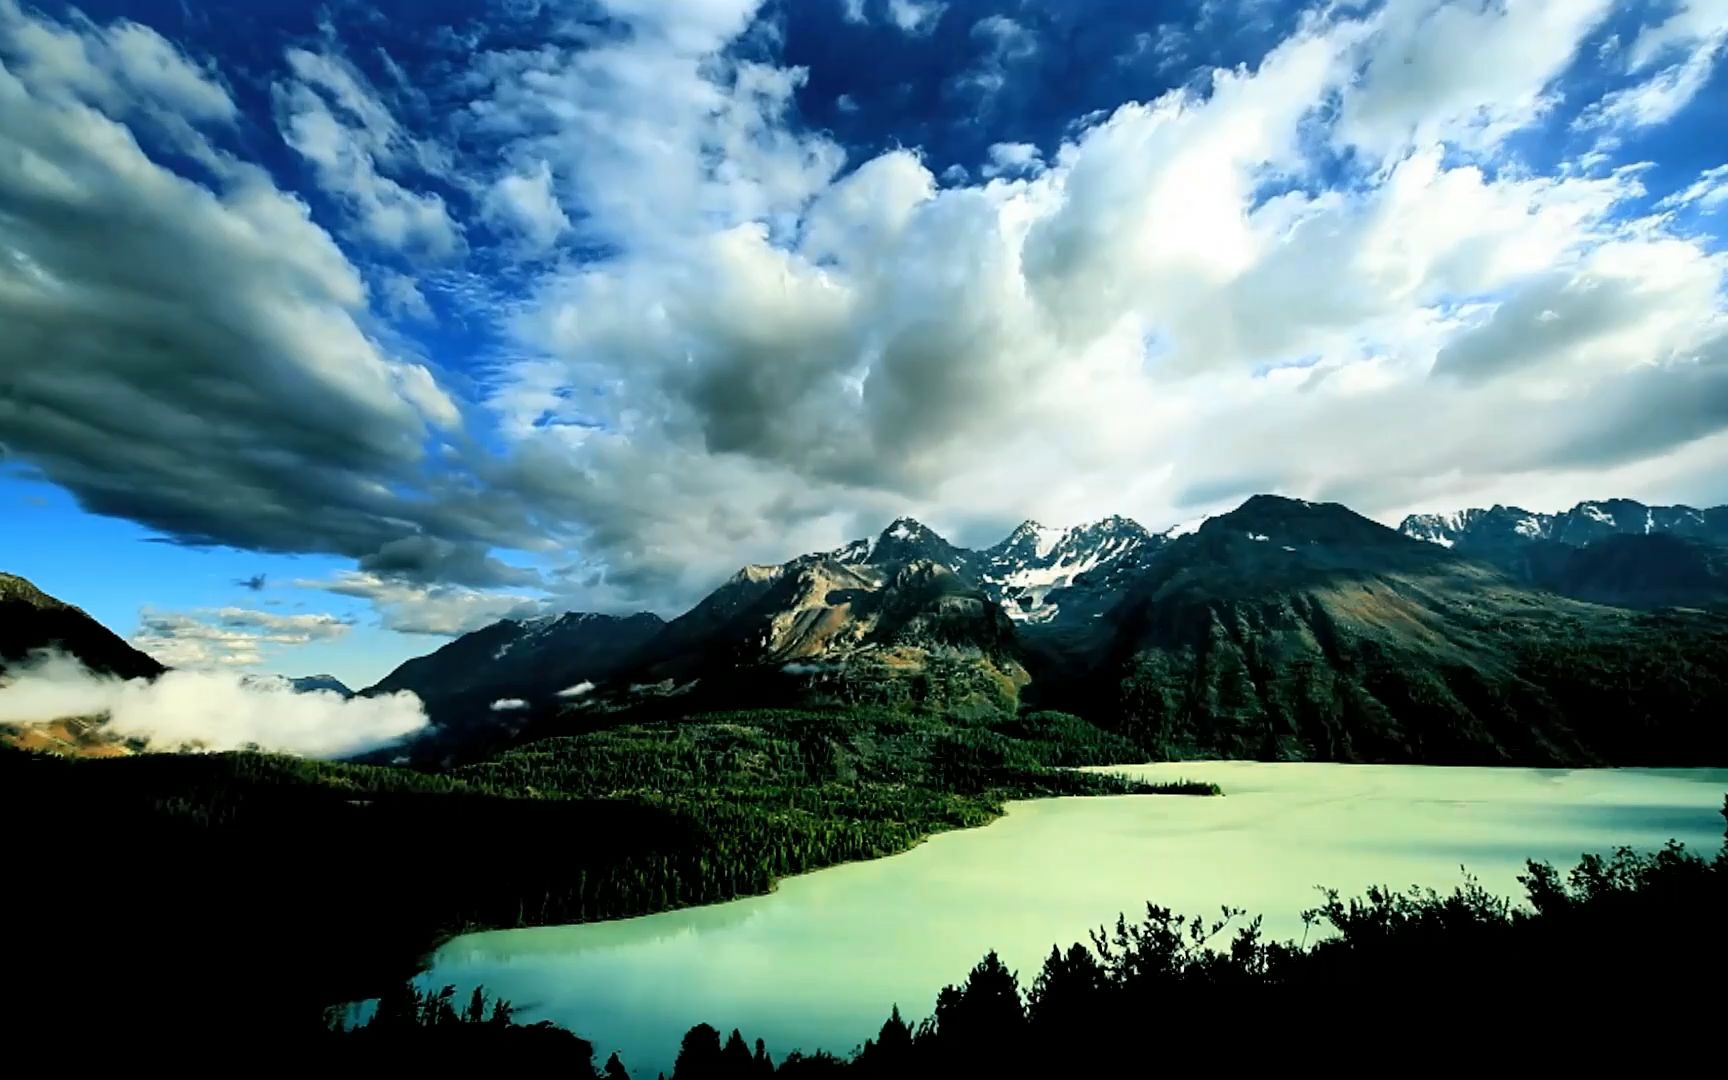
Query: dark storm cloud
[[427, 559], [195, 356]]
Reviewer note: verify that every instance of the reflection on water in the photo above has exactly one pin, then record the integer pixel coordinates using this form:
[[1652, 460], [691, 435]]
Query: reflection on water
[[819, 962]]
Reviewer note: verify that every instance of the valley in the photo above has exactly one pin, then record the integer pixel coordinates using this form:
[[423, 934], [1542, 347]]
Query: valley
[[840, 708]]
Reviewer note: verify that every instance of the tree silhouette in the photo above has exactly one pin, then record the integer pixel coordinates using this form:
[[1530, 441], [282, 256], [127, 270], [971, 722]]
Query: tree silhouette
[[699, 1054], [736, 1063]]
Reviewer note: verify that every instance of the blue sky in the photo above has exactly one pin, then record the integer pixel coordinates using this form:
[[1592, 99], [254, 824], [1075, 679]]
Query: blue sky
[[416, 315]]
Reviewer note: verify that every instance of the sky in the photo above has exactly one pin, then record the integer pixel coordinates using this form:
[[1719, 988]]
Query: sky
[[328, 332]]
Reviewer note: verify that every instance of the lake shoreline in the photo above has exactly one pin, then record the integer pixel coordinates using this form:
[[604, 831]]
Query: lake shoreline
[[427, 956], [817, 961]]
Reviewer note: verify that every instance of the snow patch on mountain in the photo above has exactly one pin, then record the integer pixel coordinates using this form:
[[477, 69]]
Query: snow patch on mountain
[[1184, 528], [1503, 526]]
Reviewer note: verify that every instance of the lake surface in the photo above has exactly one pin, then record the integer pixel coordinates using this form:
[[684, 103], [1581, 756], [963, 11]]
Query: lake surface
[[819, 962]]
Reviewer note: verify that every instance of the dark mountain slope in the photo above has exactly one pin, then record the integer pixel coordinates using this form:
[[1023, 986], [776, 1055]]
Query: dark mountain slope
[[1295, 630], [1633, 570], [30, 619], [1615, 551], [817, 629], [532, 660]]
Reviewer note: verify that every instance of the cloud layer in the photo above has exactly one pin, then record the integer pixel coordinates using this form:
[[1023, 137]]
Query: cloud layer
[[620, 313], [208, 710], [229, 636]]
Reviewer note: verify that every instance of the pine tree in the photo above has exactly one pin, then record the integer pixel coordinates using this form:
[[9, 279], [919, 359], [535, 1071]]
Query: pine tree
[[735, 1059]]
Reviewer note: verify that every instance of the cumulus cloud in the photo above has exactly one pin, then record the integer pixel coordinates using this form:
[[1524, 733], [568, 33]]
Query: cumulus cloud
[[1328, 271], [916, 16], [1122, 330], [228, 636], [1466, 73], [525, 203], [440, 610], [207, 710], [333, 119], [1013, 159]]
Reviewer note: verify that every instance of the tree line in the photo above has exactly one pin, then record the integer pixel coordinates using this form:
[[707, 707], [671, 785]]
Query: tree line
[[295, 884], [1615, 962]]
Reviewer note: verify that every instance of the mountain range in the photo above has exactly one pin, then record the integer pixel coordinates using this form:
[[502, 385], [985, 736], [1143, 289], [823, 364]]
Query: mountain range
[[1282, 629], [1617, 551]]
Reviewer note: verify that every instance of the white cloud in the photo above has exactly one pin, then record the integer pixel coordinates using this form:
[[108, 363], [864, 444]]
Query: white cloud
[[1464, 73], [1013, 159], [440, 610], [333, 119], [402, 296], [124, 67], [1137, 328], [916, 16], [658, 136], [526, 203], [207, 710], [1690, 25], [1657, 99], [1706, 193], [580, 689], [228, 636], [509, 704]]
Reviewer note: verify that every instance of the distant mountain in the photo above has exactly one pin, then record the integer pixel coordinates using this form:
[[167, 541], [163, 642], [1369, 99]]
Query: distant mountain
[[1510, 526], [1288, 629], [1616, 551], [907, 541], [1040, 574], [1658, 570], [308, 683], [305, 684], [891, 622], [1283, 629], [30, 619], [533, 661]]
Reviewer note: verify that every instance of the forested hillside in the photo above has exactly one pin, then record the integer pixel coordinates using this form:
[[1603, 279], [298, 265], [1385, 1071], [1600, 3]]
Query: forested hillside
[[309, 883]]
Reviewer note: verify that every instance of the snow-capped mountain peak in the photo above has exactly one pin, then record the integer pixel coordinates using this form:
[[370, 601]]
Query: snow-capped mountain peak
[[1028, 572], [1500, 527], [909, 540]]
